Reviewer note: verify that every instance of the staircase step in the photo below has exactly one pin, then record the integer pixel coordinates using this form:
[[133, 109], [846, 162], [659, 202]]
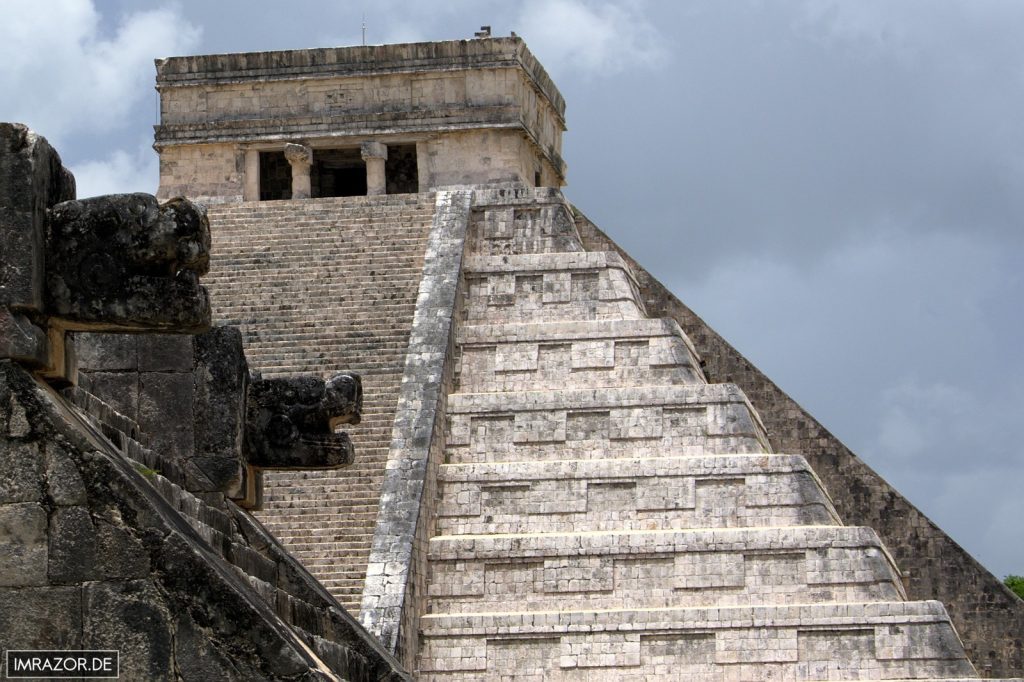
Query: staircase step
[[550, 287], [659, 569], [896, 640], [679, 420], [631, 494]]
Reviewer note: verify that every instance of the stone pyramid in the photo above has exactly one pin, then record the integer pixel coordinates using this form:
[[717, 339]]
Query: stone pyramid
[[602, 511], [563, 473]]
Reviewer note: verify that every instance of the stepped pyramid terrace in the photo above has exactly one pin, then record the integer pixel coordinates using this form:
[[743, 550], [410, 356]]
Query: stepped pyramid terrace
[[551, 467]]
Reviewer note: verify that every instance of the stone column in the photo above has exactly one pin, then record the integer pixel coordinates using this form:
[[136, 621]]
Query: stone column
[[251, 185], [423, 171], [300, 157], [375, 154]]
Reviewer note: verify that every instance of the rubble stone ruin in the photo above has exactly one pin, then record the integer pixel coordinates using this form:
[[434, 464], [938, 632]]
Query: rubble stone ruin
[[559, 471]]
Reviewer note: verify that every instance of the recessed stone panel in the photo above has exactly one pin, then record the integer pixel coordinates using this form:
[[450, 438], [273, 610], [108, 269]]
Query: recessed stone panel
[[593, 354]]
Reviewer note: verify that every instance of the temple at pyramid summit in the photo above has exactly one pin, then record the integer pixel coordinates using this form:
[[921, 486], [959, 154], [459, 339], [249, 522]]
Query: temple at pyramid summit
[[553, 469]]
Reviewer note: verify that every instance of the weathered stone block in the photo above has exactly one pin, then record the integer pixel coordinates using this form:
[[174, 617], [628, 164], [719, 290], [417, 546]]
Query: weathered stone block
[[32, 180], [165, 353], [21, 477], [107, 352], [21, 340], [41, 617], [132, 618], [165, 412], [590, 354], [194, 658], [220, 383], [516, 358], [119, 554], [23, 544], [63, 481], [72, 546], [120, 390], [124, 262], [17, 424]]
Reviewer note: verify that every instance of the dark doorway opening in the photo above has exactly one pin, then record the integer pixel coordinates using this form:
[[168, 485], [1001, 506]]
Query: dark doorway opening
[[400, 169], [337, 173], [275, 176]]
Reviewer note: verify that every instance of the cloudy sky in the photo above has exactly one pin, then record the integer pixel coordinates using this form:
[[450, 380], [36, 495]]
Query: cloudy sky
[[836, 186]]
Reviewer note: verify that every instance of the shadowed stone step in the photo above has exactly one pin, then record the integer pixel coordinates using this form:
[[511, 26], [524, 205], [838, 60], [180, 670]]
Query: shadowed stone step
[[514, 357], [649, 494], [542, 226], [899, 640], [682, 420], [658, 569], [550, 287]]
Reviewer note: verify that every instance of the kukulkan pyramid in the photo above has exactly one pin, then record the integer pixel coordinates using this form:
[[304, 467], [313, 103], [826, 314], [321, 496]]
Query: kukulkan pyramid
[[556, 470]]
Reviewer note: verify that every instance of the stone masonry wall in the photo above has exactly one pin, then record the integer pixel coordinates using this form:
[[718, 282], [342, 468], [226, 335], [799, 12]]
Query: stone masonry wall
[[100, 548], [479, 156], [492, 97], [212, 172], [456, 76], [988, 617], [146, 378]]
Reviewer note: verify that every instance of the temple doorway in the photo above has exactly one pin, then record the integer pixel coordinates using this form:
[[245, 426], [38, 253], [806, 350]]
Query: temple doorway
[[337, 173], [275, 176]]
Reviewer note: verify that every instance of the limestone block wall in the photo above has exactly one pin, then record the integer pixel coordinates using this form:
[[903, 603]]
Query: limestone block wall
[[989, 617], [480, 157], [434, 96], [146, 378], [523, 357], [739, 491], [601, 423], [211, 173], [882, 641], [479, 111], [550, 287], [660, 569]]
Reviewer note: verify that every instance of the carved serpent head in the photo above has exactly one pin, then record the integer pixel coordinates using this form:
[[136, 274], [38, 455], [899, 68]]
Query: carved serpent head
[[125, 262], [290, 422]]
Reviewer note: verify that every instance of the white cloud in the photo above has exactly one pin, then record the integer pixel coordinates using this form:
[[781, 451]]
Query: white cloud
[[120, 171], [70, 76], [590, 38]]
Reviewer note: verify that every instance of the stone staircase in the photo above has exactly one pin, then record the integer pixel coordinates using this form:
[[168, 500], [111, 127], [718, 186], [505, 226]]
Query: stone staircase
[[319, 286], [241, 543], [604, 513]]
